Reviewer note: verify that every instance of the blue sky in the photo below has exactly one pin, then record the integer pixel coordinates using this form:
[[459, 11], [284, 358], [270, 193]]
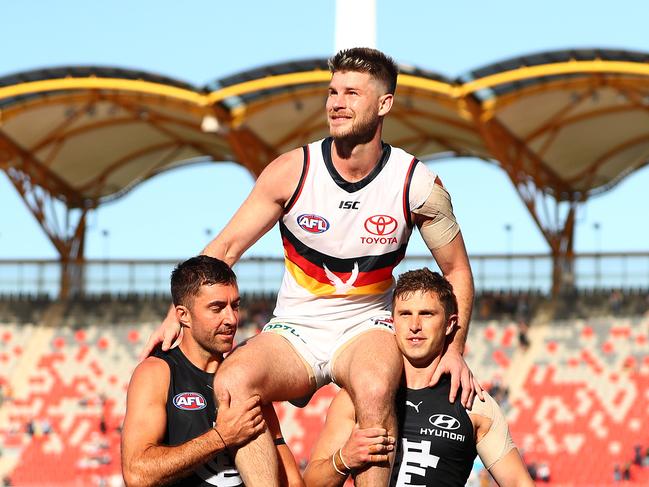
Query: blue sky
[[198, 41]]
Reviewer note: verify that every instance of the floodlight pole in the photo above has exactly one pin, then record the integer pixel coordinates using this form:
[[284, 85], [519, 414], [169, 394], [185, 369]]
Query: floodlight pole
[[355, 24]]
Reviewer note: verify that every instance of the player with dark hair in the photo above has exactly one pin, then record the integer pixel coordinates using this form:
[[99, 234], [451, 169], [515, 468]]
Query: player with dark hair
[[173, 433], [438, 440], [346, 206]]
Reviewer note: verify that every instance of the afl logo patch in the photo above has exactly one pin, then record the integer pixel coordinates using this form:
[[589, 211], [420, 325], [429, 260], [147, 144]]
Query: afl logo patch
[[190, 401], [444, 421], [381, 225], [313, 223]]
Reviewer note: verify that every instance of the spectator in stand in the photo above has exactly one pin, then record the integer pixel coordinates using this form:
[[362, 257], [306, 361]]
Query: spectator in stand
[[645, 462], [626, 473], [523, 307], [617, 473], [543, 472], [637, 455], [46, 426], [500, 393], [615, 301], [523, 340]]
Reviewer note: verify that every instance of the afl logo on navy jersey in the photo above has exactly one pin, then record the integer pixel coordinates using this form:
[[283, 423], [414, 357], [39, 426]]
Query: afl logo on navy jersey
[[444, 421], [381, 225], [190, 401], [313, 223]]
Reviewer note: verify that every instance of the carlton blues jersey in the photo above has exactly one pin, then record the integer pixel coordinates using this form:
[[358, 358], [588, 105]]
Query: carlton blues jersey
[[437, 444], [191, 411], [342, 240]]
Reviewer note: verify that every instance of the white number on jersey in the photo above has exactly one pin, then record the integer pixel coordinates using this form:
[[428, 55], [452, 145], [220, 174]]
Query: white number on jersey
[[227, 475], [416, 458]]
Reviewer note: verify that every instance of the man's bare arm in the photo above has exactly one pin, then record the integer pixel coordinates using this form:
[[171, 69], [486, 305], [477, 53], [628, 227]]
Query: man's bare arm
[[496, 447], [145, 461], [510, 471], [261, 210], [442, 236], [453, 261], [258, 214], [344, 445]]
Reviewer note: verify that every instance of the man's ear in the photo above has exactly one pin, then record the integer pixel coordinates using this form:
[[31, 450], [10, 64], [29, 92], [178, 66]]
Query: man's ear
[[385, 104], [183, 316], [451, 323]]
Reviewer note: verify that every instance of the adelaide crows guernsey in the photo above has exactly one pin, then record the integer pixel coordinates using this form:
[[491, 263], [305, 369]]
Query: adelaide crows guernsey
[[191, 411], [437, 444], [342, 240]]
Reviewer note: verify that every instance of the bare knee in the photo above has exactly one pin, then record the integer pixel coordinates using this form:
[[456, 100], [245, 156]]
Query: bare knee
[[373, 400], [374, 391], [238, 380]]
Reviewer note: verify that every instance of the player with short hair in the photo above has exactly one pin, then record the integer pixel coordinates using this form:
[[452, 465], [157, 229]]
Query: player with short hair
[[438, 439], [346, 206], [170, 436]]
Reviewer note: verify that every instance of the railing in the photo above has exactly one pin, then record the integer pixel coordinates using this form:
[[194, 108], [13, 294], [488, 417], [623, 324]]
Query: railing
[[264, 274]]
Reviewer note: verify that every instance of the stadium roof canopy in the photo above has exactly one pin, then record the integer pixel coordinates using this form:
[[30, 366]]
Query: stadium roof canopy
[[564, 125]]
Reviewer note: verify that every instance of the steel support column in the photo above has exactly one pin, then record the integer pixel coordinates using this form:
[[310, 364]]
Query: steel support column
[[547, 197], [59, 210]]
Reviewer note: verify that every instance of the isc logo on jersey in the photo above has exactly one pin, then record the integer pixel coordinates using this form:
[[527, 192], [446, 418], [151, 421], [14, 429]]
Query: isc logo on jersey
[[190, 401], [313, 223]]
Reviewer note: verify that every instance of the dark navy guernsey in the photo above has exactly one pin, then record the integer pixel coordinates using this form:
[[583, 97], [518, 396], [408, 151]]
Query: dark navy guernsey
[[191, 411], [437, 442]]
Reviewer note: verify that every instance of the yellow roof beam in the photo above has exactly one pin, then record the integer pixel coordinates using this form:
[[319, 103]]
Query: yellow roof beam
[[426, 84], [319, 76], [553, 69], [269, 82], [97, 83]]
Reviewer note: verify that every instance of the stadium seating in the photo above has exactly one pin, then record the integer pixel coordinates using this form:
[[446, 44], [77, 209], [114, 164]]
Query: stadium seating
[[578, 397], [584, 403]]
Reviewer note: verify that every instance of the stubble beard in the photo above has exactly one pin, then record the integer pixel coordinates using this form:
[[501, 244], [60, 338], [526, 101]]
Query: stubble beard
[[362, 131], [213, 346]]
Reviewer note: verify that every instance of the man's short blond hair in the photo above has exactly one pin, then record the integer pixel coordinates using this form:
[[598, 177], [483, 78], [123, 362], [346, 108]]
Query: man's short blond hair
[[366, 60]]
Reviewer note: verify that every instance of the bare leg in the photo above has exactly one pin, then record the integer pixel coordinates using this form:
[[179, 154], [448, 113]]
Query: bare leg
[[370, 369], [269, 366]]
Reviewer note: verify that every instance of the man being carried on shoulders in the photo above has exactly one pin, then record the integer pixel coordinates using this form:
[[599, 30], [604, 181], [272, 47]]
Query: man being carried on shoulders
[[346, 207]]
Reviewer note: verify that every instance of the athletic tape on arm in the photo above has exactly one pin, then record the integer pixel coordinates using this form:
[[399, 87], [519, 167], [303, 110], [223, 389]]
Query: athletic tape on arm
[[442, 227], [497, 442]]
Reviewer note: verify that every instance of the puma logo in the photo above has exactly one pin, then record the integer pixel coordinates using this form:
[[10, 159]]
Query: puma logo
[[415, 406], [341, 286]]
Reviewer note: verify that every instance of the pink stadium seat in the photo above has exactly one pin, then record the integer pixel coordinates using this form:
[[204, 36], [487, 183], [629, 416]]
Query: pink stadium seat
[[133, 336], [6, 337]]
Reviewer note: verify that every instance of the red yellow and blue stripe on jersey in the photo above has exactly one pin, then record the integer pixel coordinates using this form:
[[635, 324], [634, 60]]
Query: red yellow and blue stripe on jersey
[[307, 267]]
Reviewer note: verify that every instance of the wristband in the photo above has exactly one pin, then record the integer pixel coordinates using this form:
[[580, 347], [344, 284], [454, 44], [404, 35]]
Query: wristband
[[222, 440], [340, 455], [333, 462]]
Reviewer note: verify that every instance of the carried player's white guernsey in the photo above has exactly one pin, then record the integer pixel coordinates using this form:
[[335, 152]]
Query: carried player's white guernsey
[[342, 240]]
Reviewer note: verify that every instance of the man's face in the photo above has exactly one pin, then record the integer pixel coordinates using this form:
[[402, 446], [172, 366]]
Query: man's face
[[214, 316], [421, 326], [354, 105]]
